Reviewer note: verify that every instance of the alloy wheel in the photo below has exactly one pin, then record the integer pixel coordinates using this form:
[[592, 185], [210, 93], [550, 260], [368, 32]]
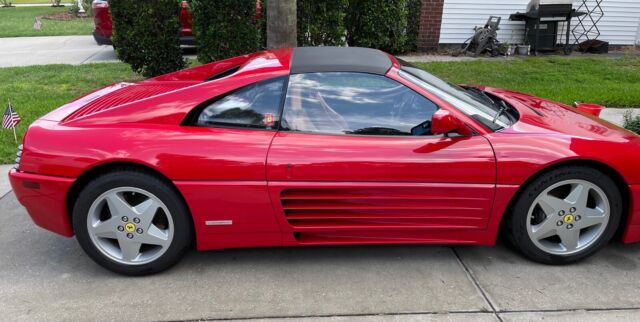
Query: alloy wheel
[[568, 217], [130, 225]]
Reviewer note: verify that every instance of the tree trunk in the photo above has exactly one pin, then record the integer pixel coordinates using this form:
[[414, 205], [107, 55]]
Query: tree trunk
[[281, 23]]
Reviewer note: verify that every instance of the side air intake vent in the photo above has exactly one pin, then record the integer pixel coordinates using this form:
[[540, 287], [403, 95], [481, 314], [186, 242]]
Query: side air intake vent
[[381, 208]]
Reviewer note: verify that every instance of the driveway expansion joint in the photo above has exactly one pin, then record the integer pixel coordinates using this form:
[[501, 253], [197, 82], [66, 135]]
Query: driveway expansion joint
[[399, 314], [354, 315], [475, 283]]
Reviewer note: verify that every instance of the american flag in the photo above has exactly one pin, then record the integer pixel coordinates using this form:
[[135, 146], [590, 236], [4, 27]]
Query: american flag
[[10, 118]]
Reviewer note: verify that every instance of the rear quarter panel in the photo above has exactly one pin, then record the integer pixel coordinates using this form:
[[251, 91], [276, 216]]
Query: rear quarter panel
[[214, 169]]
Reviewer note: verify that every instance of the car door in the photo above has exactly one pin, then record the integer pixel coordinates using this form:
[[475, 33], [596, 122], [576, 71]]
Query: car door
[[344, 168]]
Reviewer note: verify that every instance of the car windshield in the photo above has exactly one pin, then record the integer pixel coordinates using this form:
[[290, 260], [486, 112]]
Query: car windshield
[[491, 112]]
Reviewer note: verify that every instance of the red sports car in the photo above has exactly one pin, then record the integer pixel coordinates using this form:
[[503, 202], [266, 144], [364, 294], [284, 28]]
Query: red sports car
[[324, 146]]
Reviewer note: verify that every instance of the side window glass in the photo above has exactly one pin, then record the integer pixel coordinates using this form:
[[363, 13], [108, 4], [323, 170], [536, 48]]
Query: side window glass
[[253, 106], [355, 103]]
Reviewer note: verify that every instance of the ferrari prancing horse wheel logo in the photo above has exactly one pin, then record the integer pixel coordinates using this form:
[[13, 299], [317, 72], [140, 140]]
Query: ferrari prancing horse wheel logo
[[130, 227], [568, 219]]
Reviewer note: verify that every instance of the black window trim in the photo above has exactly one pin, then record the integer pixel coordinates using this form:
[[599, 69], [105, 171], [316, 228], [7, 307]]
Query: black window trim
[[192, 117], [281, 129]]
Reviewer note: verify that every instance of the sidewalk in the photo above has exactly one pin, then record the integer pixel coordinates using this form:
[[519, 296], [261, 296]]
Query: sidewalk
[[75, 50], [39, 4], [616, 115], [5, 187]]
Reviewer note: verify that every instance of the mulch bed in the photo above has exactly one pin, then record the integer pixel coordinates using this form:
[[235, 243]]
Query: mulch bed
[[63, 16]]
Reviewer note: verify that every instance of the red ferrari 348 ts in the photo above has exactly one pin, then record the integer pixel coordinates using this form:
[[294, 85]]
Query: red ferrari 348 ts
[[324, 146]]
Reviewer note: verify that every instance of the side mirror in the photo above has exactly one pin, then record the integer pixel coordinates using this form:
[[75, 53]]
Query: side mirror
[[443, 122], [592, 109]]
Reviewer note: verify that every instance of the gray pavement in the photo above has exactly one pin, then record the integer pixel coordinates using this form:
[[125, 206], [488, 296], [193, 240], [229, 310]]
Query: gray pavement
[[45, 277], [436, 58], [37, 4], [75, 50], [5, 187], [37, 267], [616, 115]]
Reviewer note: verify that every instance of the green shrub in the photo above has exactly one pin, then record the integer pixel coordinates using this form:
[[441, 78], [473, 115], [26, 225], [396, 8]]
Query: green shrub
[[377, 24], [631, 122], [413, 24], [225, 28], [146, 35], [321, 23]]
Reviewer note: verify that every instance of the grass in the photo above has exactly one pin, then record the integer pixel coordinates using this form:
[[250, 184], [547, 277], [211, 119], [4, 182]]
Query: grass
[[18, 22], [605, 81], [36, 90]]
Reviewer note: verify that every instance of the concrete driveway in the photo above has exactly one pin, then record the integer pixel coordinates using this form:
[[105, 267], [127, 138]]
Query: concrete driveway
[[47, 277], [75, 50]]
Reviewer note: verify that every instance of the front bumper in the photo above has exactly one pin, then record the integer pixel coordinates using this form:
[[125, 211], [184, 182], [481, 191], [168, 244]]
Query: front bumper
[[45, 198], [187, 41], [101, 39]]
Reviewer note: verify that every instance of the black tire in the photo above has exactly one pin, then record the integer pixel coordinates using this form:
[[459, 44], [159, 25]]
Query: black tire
[[182, 223], [516, 221]]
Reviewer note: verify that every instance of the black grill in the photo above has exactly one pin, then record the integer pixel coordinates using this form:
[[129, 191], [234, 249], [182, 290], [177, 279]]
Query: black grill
[[541, 23]]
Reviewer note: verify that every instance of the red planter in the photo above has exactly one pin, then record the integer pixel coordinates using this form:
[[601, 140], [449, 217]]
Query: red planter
[[592, 109]]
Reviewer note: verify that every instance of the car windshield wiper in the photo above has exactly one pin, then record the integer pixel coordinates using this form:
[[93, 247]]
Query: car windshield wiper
[[502, 107], [481, 94], [498, 114]]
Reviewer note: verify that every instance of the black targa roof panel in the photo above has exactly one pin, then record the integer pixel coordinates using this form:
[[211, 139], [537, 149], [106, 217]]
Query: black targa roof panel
[[339, 59]]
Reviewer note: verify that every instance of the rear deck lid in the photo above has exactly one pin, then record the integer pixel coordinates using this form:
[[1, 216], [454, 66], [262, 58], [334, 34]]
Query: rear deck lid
[[110, 97]]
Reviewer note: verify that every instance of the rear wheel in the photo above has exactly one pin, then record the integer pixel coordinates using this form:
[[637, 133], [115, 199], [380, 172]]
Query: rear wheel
[[565, 215], [132, 223]]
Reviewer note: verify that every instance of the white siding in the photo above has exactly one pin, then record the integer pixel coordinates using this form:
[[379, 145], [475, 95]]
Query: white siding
[[638, 36], [619, 26]]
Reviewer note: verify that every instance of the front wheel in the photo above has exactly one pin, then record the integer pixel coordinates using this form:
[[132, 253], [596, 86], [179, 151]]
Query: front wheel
[[132, 223], [565, 215]]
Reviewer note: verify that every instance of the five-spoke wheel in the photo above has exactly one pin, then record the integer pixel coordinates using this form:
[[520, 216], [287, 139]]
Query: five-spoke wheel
[[568, 216], [565, 215], [130, 225], [132, 222]]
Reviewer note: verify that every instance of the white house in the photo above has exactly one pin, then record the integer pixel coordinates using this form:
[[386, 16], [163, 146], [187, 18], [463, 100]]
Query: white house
[[620, 24]]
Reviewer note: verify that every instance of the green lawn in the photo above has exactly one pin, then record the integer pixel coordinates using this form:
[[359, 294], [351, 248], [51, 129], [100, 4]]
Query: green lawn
[[606, 81], [18, 22], [36, 90]]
